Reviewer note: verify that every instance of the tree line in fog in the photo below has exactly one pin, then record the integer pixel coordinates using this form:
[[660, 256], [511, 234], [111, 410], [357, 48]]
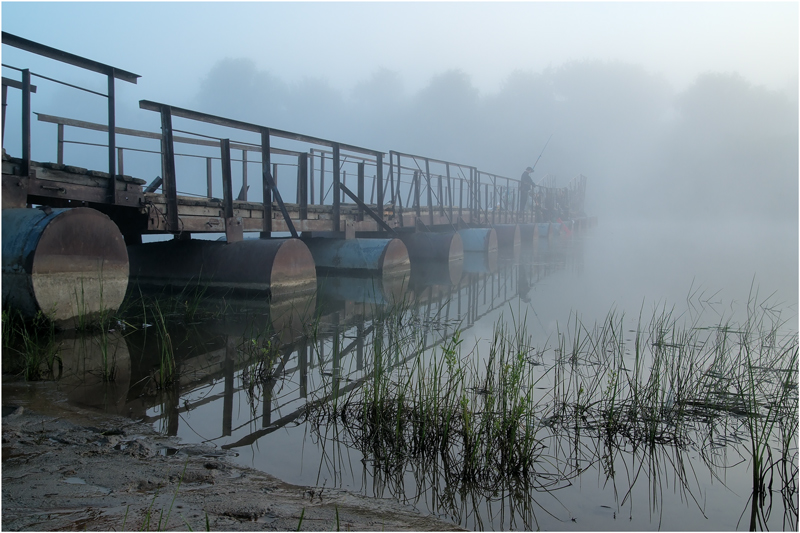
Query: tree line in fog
[[721, 147]]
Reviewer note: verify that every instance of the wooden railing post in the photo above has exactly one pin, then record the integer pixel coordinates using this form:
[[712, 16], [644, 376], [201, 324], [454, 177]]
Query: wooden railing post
[[112, 131], [169, 186], [430, 191], [26, 122], [449, 191], [311, 177], [336, 192], [494, 198], [60, 145], [227, 178], [302, 185], [266, 227], [417, 194], [322, 178], [360, 191], [379, 183], [243, 194], [460, 197], [508, 204], [441, 197], [391, 179], [5, 104], [120, 167], [486, 202], [208, 178], [472, 200]]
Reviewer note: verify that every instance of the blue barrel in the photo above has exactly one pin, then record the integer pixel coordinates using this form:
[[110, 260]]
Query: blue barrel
[[544, 230], [69, 264], [479, 239], [480, 263], [388, 257]]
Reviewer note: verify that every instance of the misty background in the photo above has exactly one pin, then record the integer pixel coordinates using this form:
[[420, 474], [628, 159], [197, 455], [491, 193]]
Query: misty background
[[721, 148], [681, 115]]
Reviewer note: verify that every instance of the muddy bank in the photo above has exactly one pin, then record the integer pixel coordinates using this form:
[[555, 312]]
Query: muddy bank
[[69, 468]]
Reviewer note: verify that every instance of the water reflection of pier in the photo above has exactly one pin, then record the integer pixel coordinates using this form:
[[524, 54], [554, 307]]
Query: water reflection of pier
[[258, 356]]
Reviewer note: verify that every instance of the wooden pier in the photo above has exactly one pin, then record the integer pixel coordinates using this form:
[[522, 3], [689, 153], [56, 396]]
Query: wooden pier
[[203, 168]]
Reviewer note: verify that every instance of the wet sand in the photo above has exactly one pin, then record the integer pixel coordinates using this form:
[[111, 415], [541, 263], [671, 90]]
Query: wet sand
[[67, 468]]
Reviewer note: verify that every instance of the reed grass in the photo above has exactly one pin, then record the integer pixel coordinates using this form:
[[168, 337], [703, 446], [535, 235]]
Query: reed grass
[[667, 386], [30, 347]]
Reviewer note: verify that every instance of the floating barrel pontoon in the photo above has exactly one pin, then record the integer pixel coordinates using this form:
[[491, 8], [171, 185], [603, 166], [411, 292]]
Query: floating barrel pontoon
[[529, 234], [544, 230], [480, 263], [361, 256], [445, 273], [373, 290], [508, 239], [508, 235], [436, 258], [67, 263], [479, 239], [276, 266]]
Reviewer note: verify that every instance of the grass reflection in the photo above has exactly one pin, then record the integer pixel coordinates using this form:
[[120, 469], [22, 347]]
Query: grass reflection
[[649, 410]]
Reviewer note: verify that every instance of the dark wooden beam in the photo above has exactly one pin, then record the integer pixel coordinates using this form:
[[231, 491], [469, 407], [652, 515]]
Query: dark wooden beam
[[66, 57], [246, 126]]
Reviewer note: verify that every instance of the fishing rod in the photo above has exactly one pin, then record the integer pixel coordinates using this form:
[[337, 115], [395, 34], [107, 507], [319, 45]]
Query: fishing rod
[[540, 155]]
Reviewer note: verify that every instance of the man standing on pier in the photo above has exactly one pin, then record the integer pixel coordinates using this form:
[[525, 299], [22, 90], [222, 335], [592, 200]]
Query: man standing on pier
[[525, 186]]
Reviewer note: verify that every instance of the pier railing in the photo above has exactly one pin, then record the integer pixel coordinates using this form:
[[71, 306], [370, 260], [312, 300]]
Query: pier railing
[[215, 158], [111, 73]]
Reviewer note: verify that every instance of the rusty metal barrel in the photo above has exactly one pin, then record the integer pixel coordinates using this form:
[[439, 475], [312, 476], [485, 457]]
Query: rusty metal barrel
[[436, 258], [277, 267], [479, 239], [508, 235], [509, 241], [69, 264], [360, 256]]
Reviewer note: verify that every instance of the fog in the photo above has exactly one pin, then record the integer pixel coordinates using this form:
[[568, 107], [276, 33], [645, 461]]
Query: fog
[[671, 109], [669, 120], [722, 148]]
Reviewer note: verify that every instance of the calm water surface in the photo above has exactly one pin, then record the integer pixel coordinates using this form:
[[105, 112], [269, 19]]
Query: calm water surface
[[625, 267]]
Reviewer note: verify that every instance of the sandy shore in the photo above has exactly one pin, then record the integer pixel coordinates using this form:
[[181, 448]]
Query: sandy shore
[[66, 468]]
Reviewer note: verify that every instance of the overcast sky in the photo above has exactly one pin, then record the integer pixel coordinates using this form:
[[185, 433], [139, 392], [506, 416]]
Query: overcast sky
[[173, 45]]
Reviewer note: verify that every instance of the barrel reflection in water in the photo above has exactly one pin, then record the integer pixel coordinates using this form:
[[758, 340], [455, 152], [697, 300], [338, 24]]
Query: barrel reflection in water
[[246, 376]]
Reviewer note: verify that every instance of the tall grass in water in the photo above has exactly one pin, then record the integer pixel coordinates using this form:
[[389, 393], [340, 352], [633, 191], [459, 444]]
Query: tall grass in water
[[30, 346], [766, 386], [676, 381], [167, 368], [670, 385], [477, 422]]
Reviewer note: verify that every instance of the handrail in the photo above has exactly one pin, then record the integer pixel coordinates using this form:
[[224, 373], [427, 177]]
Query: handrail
[[109, 71], [157, 136], [66, 57], [247, 126]]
